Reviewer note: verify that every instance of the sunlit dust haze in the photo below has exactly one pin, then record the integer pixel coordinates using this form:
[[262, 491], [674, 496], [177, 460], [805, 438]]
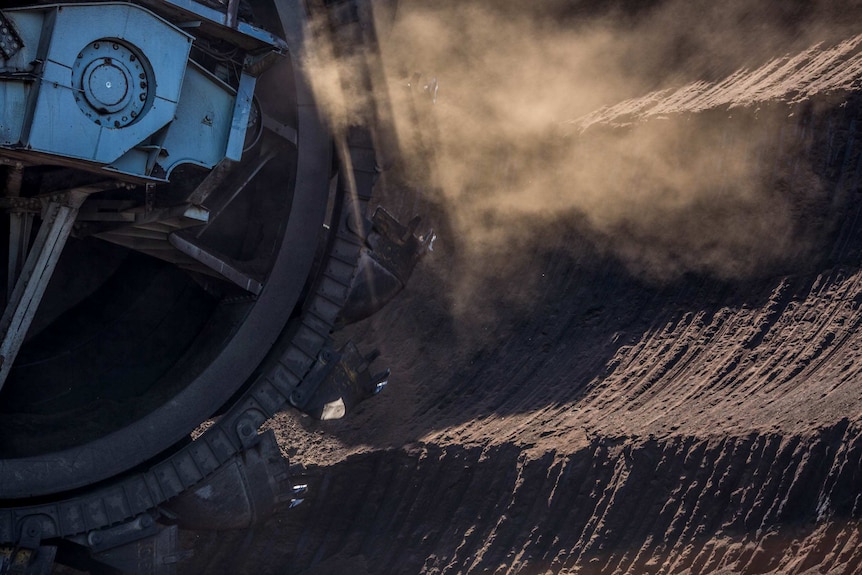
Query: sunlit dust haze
[[503, 102]]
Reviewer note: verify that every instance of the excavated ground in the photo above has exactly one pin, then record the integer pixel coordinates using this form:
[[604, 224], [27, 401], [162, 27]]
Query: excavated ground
[[571, 414]]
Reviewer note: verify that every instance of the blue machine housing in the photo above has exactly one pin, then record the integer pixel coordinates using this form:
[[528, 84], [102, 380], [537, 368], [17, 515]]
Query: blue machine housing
[[111, 86]]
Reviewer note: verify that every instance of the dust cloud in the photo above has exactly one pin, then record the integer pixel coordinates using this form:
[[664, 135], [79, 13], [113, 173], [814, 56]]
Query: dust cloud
[[484, 94]]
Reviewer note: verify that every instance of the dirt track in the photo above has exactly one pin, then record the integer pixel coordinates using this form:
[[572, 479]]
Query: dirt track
[[583, 417]]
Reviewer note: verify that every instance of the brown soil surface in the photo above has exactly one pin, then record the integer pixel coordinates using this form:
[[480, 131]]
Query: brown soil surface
[[573, 414]]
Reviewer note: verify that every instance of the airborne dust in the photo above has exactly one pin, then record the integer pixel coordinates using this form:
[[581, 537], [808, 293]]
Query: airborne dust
[[728, 192]]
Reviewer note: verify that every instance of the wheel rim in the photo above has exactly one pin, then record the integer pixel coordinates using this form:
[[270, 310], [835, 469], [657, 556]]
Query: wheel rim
[[230, 352]]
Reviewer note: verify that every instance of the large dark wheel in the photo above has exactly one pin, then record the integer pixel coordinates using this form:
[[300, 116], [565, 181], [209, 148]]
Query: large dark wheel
[[133, 347]]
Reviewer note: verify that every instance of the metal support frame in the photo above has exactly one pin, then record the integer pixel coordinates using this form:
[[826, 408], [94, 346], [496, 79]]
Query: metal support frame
[[58, 217], [240, 177], [220, 264], [20, 224], [20, 227], [224, 24], [241, 112]]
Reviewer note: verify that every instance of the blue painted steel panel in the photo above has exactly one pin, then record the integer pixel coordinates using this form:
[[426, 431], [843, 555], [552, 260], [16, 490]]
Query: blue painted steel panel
[[59, 127], [116, 89], [200, 132], [14, 94]]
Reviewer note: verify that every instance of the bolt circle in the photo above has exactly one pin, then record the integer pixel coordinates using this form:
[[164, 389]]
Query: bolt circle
[[111, 90]]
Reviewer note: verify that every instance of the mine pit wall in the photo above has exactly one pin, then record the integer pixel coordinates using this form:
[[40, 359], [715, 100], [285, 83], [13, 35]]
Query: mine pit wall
[[618, 426], [720, 434], [762, 503], [712, 441]]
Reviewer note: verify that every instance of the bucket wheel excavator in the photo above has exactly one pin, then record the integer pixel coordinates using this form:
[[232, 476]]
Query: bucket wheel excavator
[[184, 232]]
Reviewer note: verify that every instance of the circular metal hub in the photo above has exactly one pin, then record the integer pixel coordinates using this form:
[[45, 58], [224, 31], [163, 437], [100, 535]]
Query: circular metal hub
[[111, 83]]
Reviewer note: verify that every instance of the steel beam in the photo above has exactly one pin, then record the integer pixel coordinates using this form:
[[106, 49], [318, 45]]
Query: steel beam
[[58, 218]]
